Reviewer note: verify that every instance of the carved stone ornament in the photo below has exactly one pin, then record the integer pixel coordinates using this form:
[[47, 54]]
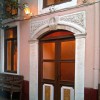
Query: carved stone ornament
[[75, 19], [36, 24], [53, 23]]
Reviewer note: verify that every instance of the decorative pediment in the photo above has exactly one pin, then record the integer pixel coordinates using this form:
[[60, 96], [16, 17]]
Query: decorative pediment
[[75, 20]]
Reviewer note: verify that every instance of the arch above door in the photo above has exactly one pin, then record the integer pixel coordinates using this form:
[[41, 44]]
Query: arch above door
[[77, 26], [75, 22]]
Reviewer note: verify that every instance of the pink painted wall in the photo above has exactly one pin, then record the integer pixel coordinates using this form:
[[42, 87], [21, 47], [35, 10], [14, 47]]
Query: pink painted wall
[[89, 62], [90, 30], [24, 38], [24, 49]]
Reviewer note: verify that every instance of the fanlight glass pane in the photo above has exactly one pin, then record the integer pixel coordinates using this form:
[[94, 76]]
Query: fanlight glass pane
[[68, 50], [49, 70], [48, 50], [67, 71], [57, 35], [11, 33]]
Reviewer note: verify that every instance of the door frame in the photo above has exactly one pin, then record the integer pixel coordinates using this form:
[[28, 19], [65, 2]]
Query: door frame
[[79, 61]]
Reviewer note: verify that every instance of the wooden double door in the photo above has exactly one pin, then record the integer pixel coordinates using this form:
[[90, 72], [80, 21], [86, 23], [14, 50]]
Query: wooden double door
[[56, 67]]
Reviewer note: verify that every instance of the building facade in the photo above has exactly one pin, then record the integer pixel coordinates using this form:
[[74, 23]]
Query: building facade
[[58, 50]]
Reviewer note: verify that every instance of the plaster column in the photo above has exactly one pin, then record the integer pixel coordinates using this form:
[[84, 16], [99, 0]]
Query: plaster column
[[79, 67], [97, 45], [33, 70]]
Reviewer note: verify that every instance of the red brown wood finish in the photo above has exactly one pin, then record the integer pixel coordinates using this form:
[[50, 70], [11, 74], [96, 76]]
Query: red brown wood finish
[[56, 61], [25, 92], [91, 94]]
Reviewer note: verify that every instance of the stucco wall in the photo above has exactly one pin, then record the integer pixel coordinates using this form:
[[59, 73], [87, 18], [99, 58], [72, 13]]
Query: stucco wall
[[24, 49], [89, 62], [34, 4], [91, 28], [92, 46], [90, 41]]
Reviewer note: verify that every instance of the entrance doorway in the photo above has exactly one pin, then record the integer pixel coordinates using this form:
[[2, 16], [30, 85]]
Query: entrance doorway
[[56, 65]]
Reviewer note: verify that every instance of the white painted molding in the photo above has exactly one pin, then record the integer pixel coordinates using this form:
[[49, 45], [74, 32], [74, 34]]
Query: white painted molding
[[97, 47], [2, 50], [74, 20], [71, 92], [33, 84], [76, 23], [42, 10], [18, 47], [51, 91]]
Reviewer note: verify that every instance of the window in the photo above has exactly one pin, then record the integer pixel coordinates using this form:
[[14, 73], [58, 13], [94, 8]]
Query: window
[[45, 6], [10, 50], [47, 3], [10, 8]]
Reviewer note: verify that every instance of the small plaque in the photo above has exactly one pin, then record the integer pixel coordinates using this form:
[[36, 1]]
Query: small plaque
[[66, 94], [47, 92]]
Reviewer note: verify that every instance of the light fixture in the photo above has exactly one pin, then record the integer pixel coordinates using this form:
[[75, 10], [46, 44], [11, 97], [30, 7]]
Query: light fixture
[[26, 8], [10, 10]]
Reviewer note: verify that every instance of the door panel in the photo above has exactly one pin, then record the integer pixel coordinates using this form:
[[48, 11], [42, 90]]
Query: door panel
[[67, 71], [68, 50], [49, 70], [57, 65], [48, 50]]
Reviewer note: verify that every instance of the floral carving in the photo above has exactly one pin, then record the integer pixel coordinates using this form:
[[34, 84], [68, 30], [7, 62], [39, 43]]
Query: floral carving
[[77, 18], [52, 22], [36, 24]]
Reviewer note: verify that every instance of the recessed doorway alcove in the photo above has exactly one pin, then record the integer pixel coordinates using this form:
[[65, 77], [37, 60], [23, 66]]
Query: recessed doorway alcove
[[56, 65], [37, 92]]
